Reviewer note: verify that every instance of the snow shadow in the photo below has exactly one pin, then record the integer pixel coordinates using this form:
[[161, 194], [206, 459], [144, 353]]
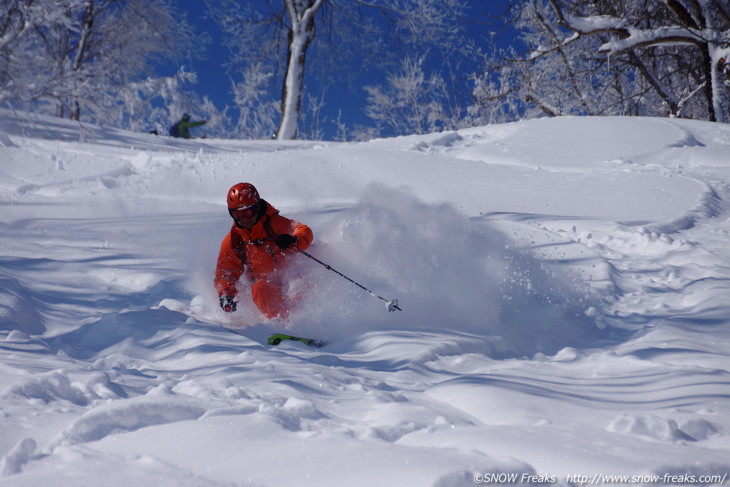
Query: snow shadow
[[449, 271], [129, 330], [18, 308]]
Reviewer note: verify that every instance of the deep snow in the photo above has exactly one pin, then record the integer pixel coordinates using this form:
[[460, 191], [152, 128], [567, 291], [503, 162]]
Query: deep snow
[[564, 286]]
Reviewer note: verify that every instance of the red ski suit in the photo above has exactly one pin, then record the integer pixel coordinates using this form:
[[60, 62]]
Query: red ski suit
[[255, 252]]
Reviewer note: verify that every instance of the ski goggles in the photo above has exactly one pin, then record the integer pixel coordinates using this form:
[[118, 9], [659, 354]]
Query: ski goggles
[[245, 213]]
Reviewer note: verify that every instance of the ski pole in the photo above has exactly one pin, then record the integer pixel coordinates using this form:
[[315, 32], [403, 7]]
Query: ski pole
[[392, 304]]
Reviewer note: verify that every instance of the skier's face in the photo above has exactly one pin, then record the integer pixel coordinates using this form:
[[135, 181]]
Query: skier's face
[[246, 217]]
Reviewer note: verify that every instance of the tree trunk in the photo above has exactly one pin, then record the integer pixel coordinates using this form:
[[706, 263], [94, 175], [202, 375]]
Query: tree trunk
[[87, 26], [720, 108], [293, 86], [301, 34]]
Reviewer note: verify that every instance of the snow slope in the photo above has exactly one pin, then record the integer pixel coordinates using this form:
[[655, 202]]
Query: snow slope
[[564, 286]]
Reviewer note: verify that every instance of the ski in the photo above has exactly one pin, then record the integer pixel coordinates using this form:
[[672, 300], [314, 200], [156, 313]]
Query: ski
[[277, 338]]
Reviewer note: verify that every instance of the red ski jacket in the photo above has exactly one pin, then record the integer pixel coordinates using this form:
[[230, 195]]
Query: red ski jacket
[[255, 251]]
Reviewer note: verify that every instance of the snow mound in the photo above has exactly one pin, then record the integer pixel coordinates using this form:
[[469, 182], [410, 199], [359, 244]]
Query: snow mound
[[130, 415], [57, 386]]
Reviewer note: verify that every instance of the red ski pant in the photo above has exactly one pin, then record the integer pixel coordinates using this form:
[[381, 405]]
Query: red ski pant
[[268, 298]]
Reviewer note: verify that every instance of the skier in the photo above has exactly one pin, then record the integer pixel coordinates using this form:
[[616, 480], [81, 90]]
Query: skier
[[182, 127], [260, 243]]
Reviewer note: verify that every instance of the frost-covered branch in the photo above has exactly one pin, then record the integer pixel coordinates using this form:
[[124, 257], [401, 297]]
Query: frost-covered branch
[[704, 25]]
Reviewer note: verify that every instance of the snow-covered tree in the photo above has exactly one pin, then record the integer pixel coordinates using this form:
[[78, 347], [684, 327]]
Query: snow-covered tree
[[701, 24], [23, 44], [78, 55], [323, 37], [411, 103], [257, 110], [651, 57], [556, 77], [153, 103]]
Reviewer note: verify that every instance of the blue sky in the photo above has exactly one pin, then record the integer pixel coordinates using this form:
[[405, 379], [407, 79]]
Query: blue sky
[[212, 78], [215, 83]]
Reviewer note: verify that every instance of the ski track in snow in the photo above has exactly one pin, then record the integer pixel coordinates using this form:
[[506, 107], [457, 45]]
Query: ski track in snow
[[564, 284]]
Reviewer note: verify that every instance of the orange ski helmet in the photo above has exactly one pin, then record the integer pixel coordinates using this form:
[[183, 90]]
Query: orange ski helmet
[[242, 195]]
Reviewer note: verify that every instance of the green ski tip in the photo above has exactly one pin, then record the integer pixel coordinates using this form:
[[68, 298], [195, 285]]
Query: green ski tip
[[277, 338]]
